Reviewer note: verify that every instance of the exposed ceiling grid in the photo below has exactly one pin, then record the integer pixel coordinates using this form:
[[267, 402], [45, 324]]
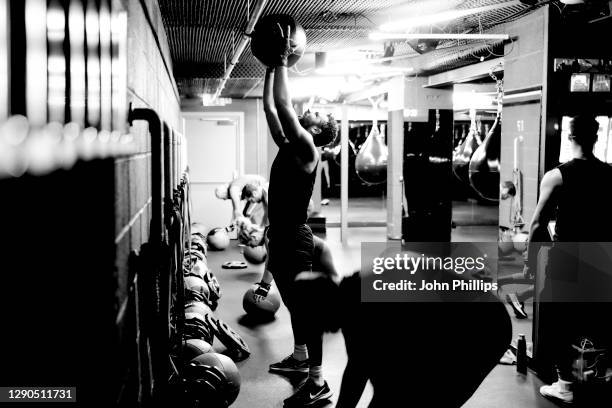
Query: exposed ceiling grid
[[202, 34]]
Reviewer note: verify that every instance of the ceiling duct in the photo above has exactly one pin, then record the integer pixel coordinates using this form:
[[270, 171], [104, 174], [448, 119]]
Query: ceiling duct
[[244, 40]]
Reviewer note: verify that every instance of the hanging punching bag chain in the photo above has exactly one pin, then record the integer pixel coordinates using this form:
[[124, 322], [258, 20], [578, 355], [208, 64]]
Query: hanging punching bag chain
[[499, 86]]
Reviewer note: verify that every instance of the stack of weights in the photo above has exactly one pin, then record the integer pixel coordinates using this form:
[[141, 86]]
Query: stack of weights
[[202, 294], [201, 285], [209, 379]]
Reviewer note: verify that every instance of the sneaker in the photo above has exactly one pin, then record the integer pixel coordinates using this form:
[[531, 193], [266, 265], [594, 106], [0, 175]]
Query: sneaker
[[309, 395], [560, 390], [289, 365], [518, 307]]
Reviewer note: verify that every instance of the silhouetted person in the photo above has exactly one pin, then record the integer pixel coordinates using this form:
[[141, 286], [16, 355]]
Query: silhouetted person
[[433, 352], [577, 287]]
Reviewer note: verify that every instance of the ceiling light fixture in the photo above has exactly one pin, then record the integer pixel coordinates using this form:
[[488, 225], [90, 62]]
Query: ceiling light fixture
[[424, 36], [327, 87], [209, 99], [419, 21], [361, 67]]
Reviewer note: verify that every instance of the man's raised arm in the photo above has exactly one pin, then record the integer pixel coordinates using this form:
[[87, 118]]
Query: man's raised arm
[[274, 124], [293, 130]]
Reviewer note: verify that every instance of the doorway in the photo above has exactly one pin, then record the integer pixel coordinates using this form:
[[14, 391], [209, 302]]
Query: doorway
[[215, 156]]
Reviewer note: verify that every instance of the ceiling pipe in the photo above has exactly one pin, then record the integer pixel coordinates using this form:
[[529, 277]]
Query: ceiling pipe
[[246, 36]]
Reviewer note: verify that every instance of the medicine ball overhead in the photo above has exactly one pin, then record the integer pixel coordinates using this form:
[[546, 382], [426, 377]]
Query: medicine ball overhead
[[267, 41]]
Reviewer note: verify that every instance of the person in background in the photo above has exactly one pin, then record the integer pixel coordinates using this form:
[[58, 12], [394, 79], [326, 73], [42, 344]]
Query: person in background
[[577, 192], [235, 192], [250, 233]]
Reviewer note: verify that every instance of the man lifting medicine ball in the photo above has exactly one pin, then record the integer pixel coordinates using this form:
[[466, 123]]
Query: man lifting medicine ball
[[289, 239]]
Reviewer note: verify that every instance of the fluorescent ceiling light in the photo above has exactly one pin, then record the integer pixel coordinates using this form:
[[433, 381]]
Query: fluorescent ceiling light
[[416, 36], [418, 21], [361, 67], [209, 99], [328, 87]]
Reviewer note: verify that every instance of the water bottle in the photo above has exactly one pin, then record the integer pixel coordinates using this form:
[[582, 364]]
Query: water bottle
[[521, 355]]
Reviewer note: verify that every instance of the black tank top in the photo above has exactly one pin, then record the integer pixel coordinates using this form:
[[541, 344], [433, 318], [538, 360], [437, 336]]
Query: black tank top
[[585, 203], [289, 190]]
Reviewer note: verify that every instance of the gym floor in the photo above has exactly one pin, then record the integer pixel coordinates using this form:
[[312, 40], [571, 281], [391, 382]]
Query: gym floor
[[270, 342]]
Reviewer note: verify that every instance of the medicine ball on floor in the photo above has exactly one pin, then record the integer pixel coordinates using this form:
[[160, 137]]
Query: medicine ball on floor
[[264, 309], [198, 285], [204, 386], [200, 308], [231, 386], [198, 243], [218, 239], [199, 268], [267, 43], [195, 347], [195, 296], [196, 327], [255, 255]]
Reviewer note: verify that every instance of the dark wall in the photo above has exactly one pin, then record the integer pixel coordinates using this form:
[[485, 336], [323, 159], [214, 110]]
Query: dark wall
[[428, 178]]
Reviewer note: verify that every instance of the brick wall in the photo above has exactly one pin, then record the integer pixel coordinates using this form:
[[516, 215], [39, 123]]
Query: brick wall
[[150, 85]]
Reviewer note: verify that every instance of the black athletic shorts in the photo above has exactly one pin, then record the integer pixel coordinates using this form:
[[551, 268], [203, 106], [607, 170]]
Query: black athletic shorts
[[290, 251]]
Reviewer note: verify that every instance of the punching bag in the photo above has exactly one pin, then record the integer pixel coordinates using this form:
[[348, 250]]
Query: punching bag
[[333, 151], [484, 164], [371, 161], [461, 139], [462, 156]]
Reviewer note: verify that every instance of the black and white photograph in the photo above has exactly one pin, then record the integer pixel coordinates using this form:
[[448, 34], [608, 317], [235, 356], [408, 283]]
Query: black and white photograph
[[306, 203]]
